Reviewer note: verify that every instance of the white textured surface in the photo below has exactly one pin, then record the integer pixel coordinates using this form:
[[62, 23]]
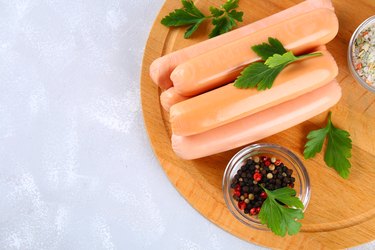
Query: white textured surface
[[76, 167]]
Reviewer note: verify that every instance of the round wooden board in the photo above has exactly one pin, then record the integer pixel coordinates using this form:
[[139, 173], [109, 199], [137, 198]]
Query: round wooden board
[[341, 212]]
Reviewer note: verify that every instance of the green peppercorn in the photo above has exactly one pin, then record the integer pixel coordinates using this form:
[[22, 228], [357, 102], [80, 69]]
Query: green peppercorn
[[269, 176], [256, 159]]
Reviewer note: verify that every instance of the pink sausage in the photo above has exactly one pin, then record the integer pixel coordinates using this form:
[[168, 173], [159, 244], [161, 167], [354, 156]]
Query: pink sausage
[[223, 64], [228, 103], [170, 97], [257, 126]]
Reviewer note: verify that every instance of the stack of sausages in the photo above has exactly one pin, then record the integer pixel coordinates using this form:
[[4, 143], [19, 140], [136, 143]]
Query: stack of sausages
[[209, 115]]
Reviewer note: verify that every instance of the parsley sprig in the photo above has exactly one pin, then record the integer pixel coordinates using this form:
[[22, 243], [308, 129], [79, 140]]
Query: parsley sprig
[[282, 219], [338, 147], [224, 18], [262, 74]]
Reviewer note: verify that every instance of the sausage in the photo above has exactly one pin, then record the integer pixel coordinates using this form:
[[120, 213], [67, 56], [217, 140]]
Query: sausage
[[223, 64], [170, 97], [162, 67], [228, 103], [257, 126]]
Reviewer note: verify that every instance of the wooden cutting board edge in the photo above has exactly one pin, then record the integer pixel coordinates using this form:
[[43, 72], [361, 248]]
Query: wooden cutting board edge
[[191, 190]]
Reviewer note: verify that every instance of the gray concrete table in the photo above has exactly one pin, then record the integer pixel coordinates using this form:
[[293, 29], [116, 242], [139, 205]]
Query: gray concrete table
[[76, 167]]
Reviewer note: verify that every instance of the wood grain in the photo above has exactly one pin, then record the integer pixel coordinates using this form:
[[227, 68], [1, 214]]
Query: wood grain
[[341, 212]]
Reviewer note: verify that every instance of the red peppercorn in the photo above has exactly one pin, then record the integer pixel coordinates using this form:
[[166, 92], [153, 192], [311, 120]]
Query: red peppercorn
[[237, 193], [253, 211], [256, 171], [277, 162], [263, 195], [267, 163], [257, 177], [264, 158], [258, 210], [238, 187], [241, 205]]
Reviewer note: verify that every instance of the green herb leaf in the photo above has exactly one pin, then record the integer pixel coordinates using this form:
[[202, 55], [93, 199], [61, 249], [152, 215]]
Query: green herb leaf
[[236, 15], [216, 12], [338, 147], [224, 19], [188, 15], [222, 25], [266, 50], [315, 142], [180, 18], [192, 29], [277, 59], [258, 75], [262, 75], [230, 5], [190, 7], [286, 58], [279, 218]]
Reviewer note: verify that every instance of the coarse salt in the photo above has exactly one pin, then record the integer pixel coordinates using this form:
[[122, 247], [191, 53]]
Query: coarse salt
[[364, 54]]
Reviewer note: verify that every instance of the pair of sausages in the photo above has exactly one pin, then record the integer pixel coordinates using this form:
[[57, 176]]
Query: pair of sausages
[[227, 117]]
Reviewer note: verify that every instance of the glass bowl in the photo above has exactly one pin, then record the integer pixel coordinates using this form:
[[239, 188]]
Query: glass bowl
[[360, 28], [301, 185]]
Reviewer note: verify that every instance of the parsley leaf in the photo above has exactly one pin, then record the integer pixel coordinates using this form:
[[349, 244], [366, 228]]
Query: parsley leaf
[[230, 5], [338, 147], [192, 29], [278, 59], [279, 218], [262, 75], [224, 19], [266, 50], [235, 15], [188, 15], [287, 58], [216, 12], [258, 75], [315, 142], [222, 25]]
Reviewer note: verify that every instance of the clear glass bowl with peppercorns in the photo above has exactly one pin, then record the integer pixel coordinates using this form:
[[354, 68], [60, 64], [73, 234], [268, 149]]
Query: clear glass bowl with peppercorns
[[261, 165]]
